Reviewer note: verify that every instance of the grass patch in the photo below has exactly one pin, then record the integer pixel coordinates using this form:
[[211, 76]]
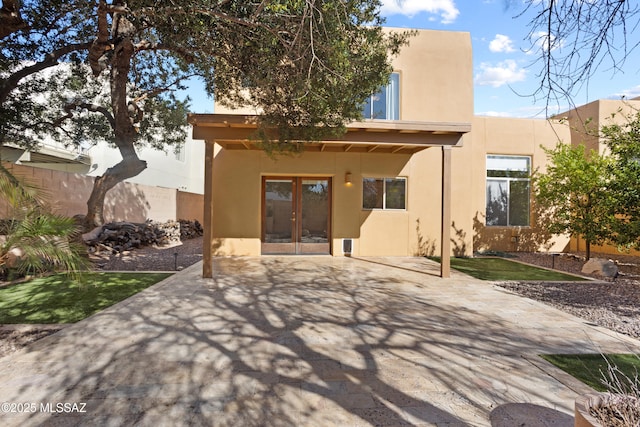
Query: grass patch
[[591, 369], [56, 299], [504, 269]]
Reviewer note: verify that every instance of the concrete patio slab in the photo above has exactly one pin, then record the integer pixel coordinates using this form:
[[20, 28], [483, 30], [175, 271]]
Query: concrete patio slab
[[306, 341]]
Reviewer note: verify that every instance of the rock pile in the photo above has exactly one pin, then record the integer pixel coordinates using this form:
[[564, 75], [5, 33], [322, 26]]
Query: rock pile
[[123, 236], [190, 229]]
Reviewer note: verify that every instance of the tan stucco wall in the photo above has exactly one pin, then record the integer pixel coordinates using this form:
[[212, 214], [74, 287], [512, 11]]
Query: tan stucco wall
[[436, 78], [237, 187], [237, 180], [586, 120], [579, 245], [508, 136]]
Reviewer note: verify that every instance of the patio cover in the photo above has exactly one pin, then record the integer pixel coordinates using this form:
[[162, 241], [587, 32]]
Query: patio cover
[[234, 132]]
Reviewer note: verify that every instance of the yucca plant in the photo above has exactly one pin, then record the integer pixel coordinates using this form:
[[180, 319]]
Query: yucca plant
[[35, 240]]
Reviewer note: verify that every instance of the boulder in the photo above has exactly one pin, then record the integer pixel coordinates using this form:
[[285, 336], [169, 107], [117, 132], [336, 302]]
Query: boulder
[[600, 267], [14, 256]]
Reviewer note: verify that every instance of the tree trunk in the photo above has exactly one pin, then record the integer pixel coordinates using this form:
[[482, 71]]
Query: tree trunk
[[125, 133], [129, 167], [588, 249]]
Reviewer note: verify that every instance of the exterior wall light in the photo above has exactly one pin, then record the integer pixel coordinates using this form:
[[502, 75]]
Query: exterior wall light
[[347, 179]]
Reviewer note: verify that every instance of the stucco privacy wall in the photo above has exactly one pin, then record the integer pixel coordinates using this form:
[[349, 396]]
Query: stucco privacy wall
[[587, 119], [69, 193], [508, 136]]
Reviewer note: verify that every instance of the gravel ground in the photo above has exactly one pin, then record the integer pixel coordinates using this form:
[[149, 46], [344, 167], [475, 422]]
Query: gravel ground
[[614, 304], [151, 258], [14, 337]]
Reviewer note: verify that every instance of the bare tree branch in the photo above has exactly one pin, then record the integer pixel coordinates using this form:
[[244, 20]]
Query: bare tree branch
[[574, 39]]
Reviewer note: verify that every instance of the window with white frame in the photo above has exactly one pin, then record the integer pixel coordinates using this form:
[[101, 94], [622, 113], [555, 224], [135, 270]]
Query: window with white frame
[[508, 190], [179, 152], [385, 103], [384, 193]]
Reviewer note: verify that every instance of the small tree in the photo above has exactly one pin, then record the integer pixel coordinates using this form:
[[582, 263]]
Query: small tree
[[574, 193], [623, 141]]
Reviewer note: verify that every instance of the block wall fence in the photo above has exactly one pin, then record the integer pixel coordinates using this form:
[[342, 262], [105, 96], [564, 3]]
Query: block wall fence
[[69, 192]]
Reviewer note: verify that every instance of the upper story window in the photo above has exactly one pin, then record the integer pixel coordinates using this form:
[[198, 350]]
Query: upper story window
[[508, 190], [385, 103], [179, 152], [384, 193]]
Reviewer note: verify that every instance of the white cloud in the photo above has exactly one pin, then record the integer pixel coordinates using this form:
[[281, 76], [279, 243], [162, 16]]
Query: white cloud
[[445, 8], [503, 73], [501, 43], [540, 42], [631, 93], [525, 112], [494, 114]]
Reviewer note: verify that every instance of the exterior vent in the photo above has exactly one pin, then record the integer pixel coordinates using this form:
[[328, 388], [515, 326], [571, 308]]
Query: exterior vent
[[347, 245]]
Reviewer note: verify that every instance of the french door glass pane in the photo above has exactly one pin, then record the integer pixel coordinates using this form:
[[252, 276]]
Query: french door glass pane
[[315, 211], [278, 211]]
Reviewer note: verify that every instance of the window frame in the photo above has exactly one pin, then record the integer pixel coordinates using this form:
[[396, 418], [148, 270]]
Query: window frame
[[384, 193], [392, 97], [508, 180], [180, 153]]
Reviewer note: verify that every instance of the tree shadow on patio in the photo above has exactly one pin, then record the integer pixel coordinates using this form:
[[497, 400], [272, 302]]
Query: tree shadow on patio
[[277, 341]]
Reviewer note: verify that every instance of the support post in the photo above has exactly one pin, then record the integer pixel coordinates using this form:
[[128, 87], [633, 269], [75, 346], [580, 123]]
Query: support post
[[445, 230], [207, 235]]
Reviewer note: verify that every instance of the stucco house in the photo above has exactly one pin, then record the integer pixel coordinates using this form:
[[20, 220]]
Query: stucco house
[[584, 122], [419, 175]]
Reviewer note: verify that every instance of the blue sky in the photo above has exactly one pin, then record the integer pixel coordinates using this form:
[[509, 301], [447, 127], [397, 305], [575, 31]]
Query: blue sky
[[504, 73]]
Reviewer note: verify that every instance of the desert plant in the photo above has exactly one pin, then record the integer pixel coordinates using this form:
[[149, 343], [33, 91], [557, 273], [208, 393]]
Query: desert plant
[[621, 407], [35, 240]]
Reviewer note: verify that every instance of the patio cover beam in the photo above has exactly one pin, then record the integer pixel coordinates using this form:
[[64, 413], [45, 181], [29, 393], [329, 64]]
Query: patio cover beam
[[445, 215], [370, 133], [207, 235]]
